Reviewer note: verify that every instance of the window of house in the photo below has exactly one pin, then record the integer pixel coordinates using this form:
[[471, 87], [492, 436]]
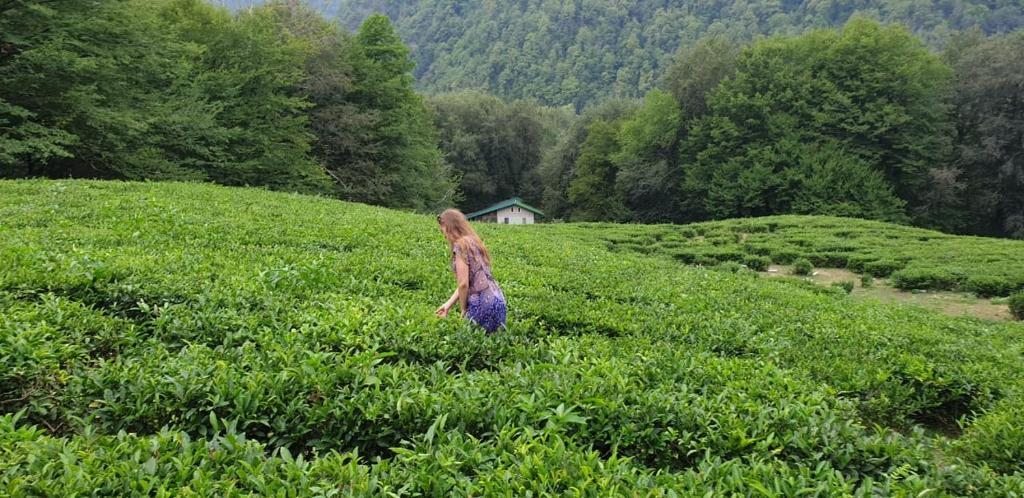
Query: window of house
[[506, 221]]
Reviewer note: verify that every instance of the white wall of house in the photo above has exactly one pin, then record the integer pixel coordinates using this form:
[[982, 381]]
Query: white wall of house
[[515, 215]]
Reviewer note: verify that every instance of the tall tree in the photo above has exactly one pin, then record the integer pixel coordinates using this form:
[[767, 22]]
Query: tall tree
[[697, 70], [558, 166], [399, 164], [250, 71], [167, 89], [875, 91], [494, 146], [81, 88], [989, 103], [649, 176], [592, 192]]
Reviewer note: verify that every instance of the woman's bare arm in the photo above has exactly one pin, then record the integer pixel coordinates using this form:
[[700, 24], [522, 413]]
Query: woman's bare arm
[[462, 279]]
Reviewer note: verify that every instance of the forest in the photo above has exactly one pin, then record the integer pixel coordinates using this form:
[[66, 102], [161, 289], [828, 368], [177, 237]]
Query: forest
[[916, 123], [577, 52]]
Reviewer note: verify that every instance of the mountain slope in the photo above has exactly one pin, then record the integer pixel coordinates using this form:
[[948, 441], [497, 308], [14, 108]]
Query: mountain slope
[[179, 338], [574, 52]]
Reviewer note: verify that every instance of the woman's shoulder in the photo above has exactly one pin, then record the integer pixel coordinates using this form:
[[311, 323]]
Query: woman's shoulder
[[465, 245]]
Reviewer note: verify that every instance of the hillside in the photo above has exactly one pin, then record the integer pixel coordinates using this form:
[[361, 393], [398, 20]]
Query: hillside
[[577, 52], [174, 339]]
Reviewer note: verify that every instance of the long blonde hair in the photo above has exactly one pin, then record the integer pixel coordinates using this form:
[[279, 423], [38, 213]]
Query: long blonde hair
[[460, 233]]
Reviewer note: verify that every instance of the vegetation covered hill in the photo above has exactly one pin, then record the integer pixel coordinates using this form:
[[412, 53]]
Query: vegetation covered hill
[[175, 339], [576, 52]]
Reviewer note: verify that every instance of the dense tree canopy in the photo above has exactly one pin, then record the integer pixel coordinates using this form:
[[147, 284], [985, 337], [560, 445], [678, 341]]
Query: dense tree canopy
[[558, 166], [274, 96], [495, 146], [875, 91], [579, 51], [990, 115], [865, 122]]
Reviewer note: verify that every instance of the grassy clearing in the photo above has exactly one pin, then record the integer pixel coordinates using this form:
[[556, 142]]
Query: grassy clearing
[[171, 338]]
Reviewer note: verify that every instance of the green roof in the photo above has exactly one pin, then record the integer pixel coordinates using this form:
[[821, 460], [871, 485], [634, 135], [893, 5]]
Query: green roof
[[515, 201]]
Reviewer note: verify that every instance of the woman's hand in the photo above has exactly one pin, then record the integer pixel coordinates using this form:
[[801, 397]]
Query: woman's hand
[[443, 310]]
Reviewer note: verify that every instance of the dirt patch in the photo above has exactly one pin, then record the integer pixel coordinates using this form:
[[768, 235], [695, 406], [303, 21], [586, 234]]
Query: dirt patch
[[949, 303]]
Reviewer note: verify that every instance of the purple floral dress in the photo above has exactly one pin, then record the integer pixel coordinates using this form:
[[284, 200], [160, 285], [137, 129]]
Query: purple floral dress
[[485, 305]]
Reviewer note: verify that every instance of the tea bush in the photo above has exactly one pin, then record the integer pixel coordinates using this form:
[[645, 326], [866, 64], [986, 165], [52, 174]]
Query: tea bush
[[757, 263], [1016, 303], [926, 278], [988, 286], [168, 339], [933, 260], [802, 267]]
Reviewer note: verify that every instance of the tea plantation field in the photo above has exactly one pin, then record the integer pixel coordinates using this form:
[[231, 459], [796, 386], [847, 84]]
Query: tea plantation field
[[193, 340], [913, 258]]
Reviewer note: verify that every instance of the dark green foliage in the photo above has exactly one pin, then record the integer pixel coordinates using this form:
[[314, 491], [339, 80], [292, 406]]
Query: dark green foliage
[[846, 285], [926, 278], [494, 147], [398, 162], [697, 70], [592, 192], [648, 176], [804, 114], [867, 281], [757, 263], [181, 90], [580, 52], [988, 286], [882, 268], [989, 101], [558, 166], [802, 267], [150, 90], [1016, 303], [834, 183]]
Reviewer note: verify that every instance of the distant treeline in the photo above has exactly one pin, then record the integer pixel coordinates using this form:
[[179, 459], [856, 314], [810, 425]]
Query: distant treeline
[[863, 120]]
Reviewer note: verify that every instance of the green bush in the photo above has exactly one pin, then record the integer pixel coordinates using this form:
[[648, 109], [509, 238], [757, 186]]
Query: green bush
[[802, 267], [846, 285], [829, 259], [785, 256], [1016, 304], [882, 268], [856, 262], [705, 260], [989, 286], [867, 281], [925, 278], [996, 437], [757, 263]]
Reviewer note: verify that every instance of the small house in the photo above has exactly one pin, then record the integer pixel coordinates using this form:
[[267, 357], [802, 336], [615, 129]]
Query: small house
[[510, 212]]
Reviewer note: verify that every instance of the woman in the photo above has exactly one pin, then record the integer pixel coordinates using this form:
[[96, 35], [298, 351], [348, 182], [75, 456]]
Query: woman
[[479, 296]]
